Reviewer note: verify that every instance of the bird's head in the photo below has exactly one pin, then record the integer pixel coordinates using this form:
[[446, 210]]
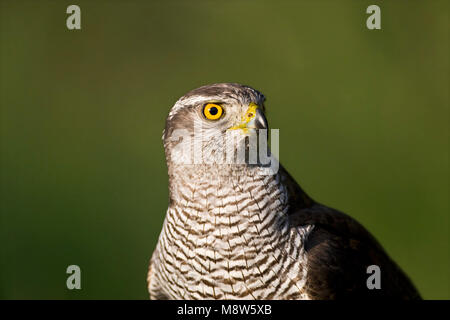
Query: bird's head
[[209, 123]]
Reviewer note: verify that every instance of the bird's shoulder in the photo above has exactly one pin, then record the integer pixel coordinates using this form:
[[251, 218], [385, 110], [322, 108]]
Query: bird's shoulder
[[339, 250]]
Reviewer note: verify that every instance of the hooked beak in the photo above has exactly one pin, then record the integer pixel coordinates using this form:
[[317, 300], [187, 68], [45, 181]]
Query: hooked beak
[[259, 121], [253, 118]]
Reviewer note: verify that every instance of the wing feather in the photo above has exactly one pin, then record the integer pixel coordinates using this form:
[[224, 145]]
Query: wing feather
[[339, 250]]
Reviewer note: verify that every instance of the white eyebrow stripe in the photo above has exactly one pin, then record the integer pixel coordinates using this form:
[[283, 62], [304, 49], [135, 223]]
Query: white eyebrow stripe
[[242, 94], [193, 100]]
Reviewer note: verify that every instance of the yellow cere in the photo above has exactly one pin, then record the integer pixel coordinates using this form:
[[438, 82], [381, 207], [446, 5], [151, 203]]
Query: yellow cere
[[247, 117], [212, 111]]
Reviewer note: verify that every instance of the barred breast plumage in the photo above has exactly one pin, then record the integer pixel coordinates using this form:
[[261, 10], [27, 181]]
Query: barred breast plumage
[[225, 239], [234, 232]]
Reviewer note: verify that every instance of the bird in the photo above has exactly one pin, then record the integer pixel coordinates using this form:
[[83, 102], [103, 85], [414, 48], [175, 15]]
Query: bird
[[236, 230]]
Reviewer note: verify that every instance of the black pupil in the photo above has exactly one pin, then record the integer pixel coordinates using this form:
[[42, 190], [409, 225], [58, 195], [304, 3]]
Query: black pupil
[[213, 111]]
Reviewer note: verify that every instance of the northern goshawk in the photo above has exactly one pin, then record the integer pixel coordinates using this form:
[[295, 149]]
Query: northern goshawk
[[234, 230]]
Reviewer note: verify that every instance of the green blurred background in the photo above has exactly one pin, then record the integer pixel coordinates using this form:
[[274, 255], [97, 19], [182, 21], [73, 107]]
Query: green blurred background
[[363, 118]]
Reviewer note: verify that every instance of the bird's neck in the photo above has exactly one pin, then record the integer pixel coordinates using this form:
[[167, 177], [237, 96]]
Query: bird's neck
[[226, 202]]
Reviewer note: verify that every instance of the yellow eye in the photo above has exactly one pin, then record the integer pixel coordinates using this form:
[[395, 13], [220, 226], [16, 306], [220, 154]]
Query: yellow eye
[[212, 111]]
